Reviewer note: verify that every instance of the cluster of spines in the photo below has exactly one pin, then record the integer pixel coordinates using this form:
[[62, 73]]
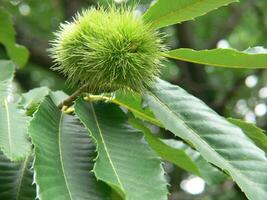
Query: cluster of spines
[[108, 50]]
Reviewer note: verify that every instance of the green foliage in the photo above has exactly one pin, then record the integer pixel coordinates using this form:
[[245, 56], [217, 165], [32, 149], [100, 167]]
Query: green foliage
[[221, 58], [111, 47], [181, 155], [16, 179], [218, 141], [13, 124], [256, 134], [65, 148], [31, 100], [133, 102], [13, 136], [164, 14], [114, 146], [124, 2], [119, 148], [7, 70], [19, 54]]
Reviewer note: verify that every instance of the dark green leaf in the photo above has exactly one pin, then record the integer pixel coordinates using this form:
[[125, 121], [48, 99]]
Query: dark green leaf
[[64, 156], [16, 179], [13, 123], [218, 141], [181, 155], [13, 135], [124, 160], [258, 135]]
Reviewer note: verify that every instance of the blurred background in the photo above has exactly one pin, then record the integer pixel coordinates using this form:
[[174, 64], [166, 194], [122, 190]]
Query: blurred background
[[230, 92]]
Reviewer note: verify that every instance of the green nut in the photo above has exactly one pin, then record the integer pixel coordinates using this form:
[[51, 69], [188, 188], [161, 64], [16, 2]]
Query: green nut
[[108, 50]]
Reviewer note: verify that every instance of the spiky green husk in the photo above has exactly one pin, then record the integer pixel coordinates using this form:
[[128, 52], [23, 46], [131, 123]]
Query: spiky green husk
[[108, 50]]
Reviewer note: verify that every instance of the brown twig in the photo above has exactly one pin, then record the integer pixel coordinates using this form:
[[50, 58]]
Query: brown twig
[[72, 97]]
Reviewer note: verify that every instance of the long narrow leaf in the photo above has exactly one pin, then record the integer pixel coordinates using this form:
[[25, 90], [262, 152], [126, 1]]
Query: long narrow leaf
[[218, 141], [13, 135], [165, 13], [16, 179], [221, 58], [124, 161], [13, 123], [258, 135], [7, 70], [181, 155], [64, 156]]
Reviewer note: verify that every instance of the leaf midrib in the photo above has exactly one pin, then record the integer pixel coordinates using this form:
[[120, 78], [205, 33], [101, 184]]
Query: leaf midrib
[[24, 168], [105, 147], [61, 155], [237, 171], [8, 127]]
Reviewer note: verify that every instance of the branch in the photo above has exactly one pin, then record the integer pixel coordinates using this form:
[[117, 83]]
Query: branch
[[67, 102]]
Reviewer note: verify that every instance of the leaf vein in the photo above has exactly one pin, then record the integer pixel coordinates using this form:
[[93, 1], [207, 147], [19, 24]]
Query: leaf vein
[[105, 147], [61, 156], [8, 126]]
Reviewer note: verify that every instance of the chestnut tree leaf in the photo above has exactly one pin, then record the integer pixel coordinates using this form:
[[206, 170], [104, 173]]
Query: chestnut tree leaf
[[221, 57], [16, 179], [124, 161], [219, 142], [163, 13], [64, 156]]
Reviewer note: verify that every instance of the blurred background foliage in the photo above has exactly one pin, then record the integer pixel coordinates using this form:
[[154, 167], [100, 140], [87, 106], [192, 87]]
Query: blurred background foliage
[[230, 92]]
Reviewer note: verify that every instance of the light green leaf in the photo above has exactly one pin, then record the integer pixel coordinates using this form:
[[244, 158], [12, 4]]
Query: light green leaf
[[34, 97], [221, 58], [58, 96], [163, 13], [219, 142], [124, 2], [13, 135], [13, 123], [124, 160], [258, 135], [19, 54], [131, 101], [7, 70], [31, 100], [181, 155], [16, 179], [64, 156]]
